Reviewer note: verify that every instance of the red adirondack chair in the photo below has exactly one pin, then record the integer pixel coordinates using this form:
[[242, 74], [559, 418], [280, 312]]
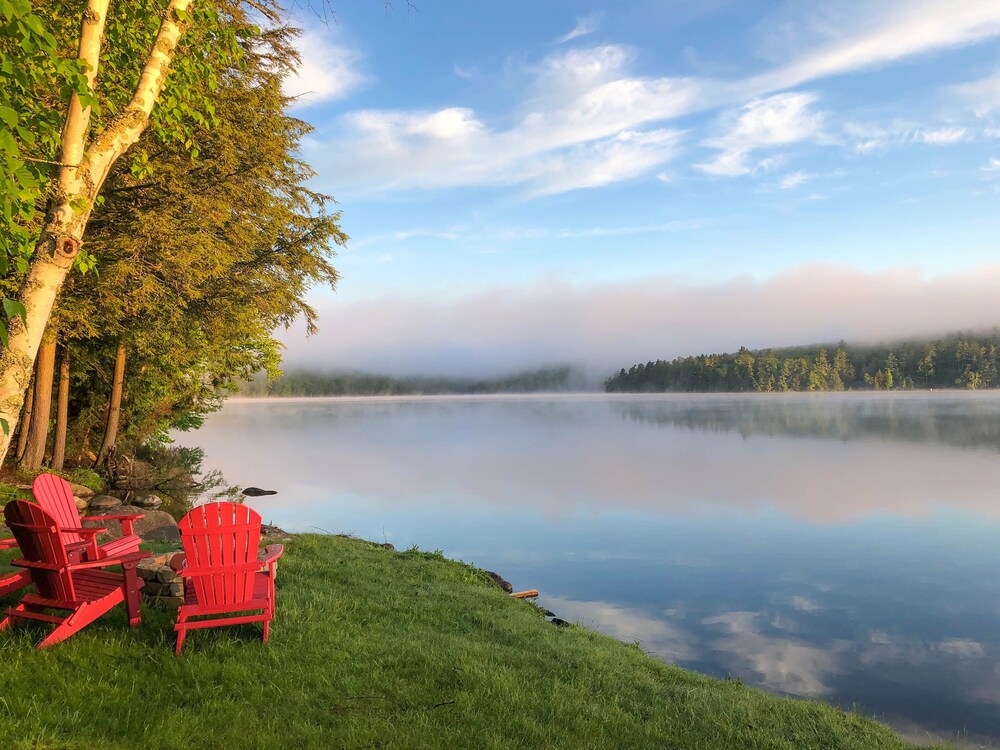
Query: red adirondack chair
[[12, 581], [221, 570], [55, 496], [77, 587]]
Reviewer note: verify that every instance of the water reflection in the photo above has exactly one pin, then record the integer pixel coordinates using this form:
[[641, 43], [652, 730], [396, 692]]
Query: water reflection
[[843, 547]]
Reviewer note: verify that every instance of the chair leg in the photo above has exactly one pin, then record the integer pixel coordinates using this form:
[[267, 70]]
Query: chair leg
[[181, 633], [133, 597], [76, 621], [11, 616], [267, 628]]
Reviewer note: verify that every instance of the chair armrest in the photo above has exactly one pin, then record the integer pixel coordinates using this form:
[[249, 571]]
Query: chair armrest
[[8, 543], [271, 554], [22, 563], [84, 532], [125, 520], [107, 562], [92, 551]]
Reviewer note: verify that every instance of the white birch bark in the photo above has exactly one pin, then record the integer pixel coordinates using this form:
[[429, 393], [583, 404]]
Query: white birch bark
[[85, 167]]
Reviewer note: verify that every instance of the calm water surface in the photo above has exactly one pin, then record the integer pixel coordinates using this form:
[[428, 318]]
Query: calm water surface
[[845, 547]]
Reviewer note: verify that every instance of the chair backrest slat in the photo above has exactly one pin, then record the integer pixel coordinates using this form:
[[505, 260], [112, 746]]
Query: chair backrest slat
[[54, 495], [37, 534], [226, 537]]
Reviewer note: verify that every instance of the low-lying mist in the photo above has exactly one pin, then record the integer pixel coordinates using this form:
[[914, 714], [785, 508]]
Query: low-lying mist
[[605, 327]]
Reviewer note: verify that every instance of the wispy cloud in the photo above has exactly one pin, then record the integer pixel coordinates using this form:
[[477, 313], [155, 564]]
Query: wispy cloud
[[982, 95], [777, 120], [586, 119], [852, 36], [329, 70], [868, 137], [584, 26], [584, 127]]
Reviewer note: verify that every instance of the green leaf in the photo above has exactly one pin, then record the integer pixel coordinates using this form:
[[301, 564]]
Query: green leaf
[[12, 307], [9, 116]]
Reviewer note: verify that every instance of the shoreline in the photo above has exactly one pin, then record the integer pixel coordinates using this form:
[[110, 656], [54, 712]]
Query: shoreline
[[601, 396]]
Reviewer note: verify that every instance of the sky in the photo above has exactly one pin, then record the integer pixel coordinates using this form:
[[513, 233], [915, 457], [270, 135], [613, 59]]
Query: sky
[[533, 183]]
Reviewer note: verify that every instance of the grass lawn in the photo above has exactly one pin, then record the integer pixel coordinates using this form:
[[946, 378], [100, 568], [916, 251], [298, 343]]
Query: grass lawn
[[377, 649]]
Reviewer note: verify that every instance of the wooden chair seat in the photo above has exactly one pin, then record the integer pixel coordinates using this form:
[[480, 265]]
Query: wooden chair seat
[[261, 597]]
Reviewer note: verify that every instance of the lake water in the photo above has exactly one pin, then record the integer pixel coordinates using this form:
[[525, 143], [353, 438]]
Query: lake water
[[840, 546]]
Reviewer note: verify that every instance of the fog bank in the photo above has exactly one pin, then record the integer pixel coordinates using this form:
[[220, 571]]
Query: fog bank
[[603, 328]]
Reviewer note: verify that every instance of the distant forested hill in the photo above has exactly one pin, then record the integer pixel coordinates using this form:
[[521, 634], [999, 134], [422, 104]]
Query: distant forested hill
[[310, 383], [957, 361]]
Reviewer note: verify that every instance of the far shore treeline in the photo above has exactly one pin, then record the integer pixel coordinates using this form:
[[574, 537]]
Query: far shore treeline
[[311, 383], [958, 361]]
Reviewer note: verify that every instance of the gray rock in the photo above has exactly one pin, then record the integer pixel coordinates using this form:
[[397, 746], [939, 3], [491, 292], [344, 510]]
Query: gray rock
[[104, 502], [162, 534], [145, 500], [501, 581], [258, 492], [150, 523], [559, 623], [80, 490]]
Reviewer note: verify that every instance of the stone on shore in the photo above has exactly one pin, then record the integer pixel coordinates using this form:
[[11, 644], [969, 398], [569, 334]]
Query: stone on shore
[[147, 500], [501, 581], [155, 525], [80, 490], [104, 502]]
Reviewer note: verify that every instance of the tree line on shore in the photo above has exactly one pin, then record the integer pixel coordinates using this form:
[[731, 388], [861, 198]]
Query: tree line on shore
[[196, 241], [312, 383], [966, 360]]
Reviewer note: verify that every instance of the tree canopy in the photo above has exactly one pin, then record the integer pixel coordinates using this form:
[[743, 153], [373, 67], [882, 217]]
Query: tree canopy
[[204, 238], [959, 361]]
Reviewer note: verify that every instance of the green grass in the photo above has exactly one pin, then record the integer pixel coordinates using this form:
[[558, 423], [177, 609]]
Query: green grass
[[377, 649]]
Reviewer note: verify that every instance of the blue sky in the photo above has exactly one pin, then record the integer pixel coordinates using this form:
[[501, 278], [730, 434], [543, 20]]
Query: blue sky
[[565, 154]]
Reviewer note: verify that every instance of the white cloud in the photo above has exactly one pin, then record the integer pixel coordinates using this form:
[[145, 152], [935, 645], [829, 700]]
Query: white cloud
[[584, 26], [793, 180], [328, 70], [983, 95], [942, 136], [868, 137], [587, 106], [856, 35], [777, 120], [584, 125], [992, 166]]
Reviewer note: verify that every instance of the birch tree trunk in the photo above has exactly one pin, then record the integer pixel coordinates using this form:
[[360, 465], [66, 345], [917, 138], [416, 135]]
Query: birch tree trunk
[[82, 173], [38, 431], [114, 407], [62, 413]]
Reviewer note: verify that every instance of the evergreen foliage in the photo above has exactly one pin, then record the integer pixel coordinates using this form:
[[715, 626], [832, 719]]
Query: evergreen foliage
[[959, 361], [205, 238]]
